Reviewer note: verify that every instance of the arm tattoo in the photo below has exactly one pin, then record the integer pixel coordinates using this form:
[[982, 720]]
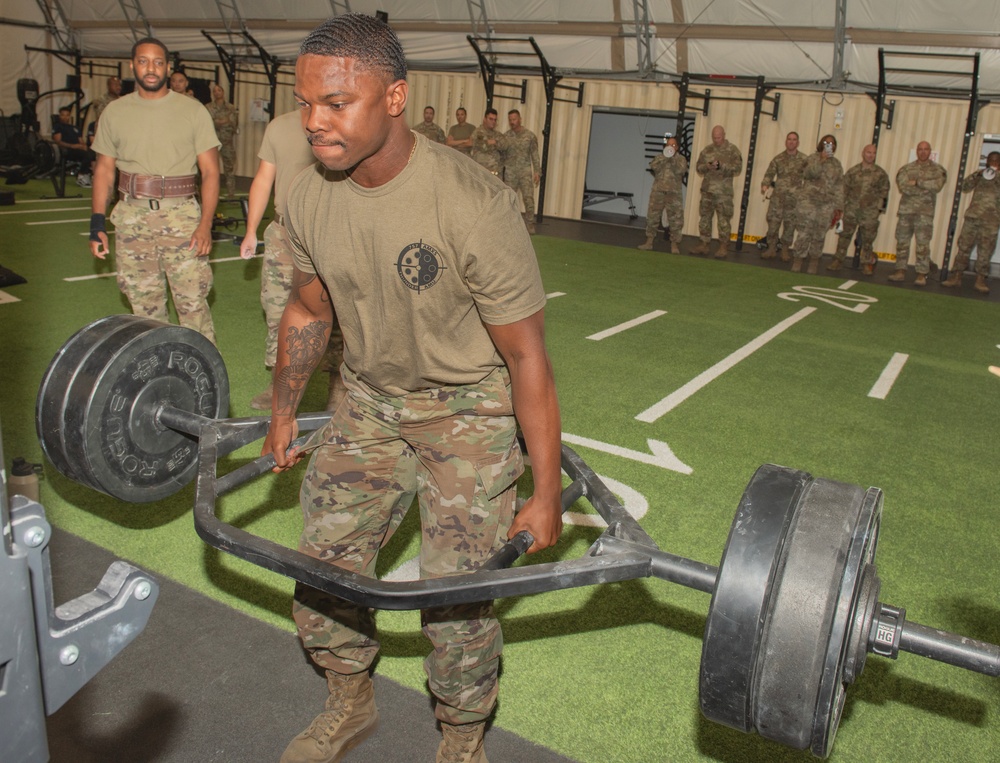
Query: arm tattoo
[[305, 347]]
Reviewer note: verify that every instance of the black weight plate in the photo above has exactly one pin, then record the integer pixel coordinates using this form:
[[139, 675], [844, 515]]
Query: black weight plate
[[803, 611], [742, 590], [847, 644], [58, 377], [130, 455], [86, 377]]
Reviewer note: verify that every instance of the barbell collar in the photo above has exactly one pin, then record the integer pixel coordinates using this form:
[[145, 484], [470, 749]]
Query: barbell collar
[[951, 648]]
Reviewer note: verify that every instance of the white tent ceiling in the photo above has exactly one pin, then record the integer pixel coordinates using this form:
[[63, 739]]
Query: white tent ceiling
[[783, 40]]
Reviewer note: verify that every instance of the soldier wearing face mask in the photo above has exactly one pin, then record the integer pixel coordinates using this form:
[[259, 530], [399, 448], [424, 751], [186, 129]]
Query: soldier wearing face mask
[[667, 194], [981, 224], [821, 203]]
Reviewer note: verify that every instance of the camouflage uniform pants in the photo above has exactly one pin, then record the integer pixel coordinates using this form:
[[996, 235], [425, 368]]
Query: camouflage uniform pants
[[981, 234], [719, 204], [227, 154], [921, 227], [661, 199], [275, 285], [523, 182], [869, 230], [781, 216], [151, 251], [455, 449], [812, 221]]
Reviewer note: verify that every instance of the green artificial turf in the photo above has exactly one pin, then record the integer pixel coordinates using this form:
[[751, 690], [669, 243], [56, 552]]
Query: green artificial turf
[[611, 673]]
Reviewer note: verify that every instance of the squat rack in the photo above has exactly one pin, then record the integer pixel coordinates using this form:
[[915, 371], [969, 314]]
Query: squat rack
[[761, 90]]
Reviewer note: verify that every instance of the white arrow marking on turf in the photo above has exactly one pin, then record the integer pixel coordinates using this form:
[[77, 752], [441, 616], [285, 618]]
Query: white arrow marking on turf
[[661, 455], [677, 397], [5, 297]]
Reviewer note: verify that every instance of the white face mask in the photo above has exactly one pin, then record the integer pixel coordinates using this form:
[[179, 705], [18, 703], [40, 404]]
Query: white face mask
[[669, 151], [989, 173]]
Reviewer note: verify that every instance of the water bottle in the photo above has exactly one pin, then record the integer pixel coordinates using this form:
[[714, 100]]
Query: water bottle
[[23, 479]]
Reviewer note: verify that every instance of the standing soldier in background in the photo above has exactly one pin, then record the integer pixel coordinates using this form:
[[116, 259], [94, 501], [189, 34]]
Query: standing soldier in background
[[980, 226], [284, 153], [821, 203], [428, 129], [667, 193], [919, 183], [522, 168], [113, 92], [460, 134], [225, 116], [866, 194], [784, 180], [487, 143], [157, 139], [718, 164]]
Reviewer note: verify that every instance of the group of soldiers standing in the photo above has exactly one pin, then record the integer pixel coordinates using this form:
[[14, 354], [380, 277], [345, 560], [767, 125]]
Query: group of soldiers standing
[[512, 156], [808, 195]]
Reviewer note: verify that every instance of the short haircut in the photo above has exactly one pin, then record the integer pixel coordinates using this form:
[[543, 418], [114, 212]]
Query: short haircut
[[461, 109], [429, 107], [792, 133], [365, 39], [513, 111], [67, 109], [149, 41], [490, 111], [991, 155]]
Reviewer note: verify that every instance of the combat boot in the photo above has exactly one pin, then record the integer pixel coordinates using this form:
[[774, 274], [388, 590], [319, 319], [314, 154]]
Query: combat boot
[[647, 244], [262, 402], [868, 268], [770, 253], [723, 250], [675, 247], [981, 286], [813, 265], [899, 275], [701, 247], [786, 253], [797, 265], [462, 744], [834, 265], [350, 717], [920, 280], [954, 278]]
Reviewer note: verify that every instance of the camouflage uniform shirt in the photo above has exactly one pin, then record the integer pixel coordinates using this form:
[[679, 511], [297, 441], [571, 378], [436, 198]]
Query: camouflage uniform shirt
[[919, 199], [226, 114], [520, 152], [985, 204], [730, 165], [785, 173], [491, 157], [668, 173], [865, 191], [430, 131]]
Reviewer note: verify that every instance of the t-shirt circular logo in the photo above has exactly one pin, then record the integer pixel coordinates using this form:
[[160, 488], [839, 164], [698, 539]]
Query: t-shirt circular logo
[[420, 266]]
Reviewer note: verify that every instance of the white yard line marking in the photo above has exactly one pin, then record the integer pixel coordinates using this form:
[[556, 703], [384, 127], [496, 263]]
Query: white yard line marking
[[554, 294], [43, 211], [57, 222], [880, 389], [5, 297], [847, 285], [671, 401], [626, 326], [114, 273], [660, 453]]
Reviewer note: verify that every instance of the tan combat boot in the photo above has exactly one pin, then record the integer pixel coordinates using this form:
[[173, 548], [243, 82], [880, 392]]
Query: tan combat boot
[[701, 247], [725, 246], [770, 253], [647, 244], [813, 265], [350, 717], [834, 265], [675, 247], [786, 253], [981, 286], [462, 744], [954, 279], [899, 275], [797, 264], [920, 280]]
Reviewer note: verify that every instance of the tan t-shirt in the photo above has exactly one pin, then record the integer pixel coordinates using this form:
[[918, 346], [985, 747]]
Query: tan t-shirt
[[285, 146], [155, 136], [415, 267]]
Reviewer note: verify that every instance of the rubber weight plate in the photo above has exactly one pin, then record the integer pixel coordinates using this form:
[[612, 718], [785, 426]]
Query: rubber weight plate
[[110, 433], [805, 620], [750, 561]]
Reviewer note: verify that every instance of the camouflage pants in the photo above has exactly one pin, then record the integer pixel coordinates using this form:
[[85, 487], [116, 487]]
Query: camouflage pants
[[661, 199], [981, 234], [454, 448], [781, 216], [523, 182], [227, 154], [812, 221], [921, 227], [151, 251], [275, 285], [869, 230], [719, 204]]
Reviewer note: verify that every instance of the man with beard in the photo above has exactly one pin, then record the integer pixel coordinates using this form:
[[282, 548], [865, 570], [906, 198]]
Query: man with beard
[[157, 140]]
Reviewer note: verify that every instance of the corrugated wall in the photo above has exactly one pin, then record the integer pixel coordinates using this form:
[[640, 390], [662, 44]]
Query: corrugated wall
[[810, 113]]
